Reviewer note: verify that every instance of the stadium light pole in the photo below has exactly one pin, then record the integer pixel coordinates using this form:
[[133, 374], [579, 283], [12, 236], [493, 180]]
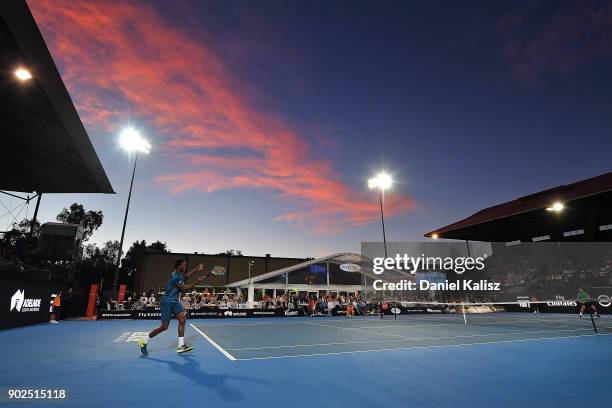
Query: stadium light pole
[[131, 141], [251, 263], [382, 182]]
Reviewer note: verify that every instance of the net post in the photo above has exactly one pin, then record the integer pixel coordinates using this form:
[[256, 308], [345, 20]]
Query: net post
[[592, 320], [463, 311]]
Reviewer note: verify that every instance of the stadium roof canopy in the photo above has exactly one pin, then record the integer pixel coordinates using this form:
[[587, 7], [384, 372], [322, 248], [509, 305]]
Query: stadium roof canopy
[[338, 259], [586, 215], [44, 146]]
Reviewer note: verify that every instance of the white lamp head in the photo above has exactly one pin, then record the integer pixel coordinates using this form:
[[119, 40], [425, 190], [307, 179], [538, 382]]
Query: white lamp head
[[131, 141], [556, 207], [382, 181], [23, 74]]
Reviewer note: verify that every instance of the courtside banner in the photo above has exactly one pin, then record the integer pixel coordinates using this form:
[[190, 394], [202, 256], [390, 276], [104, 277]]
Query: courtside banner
[[23, 304], [204, 313]]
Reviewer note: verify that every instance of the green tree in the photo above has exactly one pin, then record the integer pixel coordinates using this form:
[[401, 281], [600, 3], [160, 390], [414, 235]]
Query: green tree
[[158, 246], [231, 252], [129, 262], [76, 214], [24, 225], [99, 262]]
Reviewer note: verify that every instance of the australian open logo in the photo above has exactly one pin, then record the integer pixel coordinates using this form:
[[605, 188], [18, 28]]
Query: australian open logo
[[396, 310]]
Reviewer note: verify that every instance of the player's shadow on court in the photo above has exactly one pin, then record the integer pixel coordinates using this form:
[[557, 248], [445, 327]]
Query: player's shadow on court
[[192, 370]]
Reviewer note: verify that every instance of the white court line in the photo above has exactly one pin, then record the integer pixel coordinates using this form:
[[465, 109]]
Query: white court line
[[401, 340], [422, 319], [418, 347], [122, 337], [215, 345], [492, 322], [359, 330], [361, 319]]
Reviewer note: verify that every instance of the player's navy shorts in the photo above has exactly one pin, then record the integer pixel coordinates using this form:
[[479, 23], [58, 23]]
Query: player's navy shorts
[[170, 310]]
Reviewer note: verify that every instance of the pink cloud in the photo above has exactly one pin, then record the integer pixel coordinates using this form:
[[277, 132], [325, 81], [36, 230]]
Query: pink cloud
[[122, 56]]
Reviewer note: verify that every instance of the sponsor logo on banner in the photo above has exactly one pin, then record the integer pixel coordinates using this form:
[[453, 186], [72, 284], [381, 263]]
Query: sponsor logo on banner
[[604, 300], [20, 303], [149, 314], [524, 301], [115, 314], [266, 313], [200, 314], [396, 310], [348, 267], [291, 313], [231, 313], [561, 303]]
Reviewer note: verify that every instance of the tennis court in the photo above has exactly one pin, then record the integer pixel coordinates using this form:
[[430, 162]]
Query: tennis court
[[247, 340], [415, 361]]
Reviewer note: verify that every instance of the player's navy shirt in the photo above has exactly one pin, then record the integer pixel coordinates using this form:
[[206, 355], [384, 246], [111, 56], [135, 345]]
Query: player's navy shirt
[[173, 287]]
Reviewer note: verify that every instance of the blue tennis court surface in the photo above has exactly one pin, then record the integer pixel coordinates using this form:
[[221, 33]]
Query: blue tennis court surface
[[312, 337], [360, 362]]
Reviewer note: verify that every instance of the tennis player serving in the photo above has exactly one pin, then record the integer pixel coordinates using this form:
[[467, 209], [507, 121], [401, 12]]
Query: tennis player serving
[[170, 305]]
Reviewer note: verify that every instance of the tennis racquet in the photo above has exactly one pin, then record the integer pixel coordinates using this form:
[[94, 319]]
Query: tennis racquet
[[216, 271]]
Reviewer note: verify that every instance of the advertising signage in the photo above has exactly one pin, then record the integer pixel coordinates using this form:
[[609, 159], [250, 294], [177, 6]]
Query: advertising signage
[[23, 304]]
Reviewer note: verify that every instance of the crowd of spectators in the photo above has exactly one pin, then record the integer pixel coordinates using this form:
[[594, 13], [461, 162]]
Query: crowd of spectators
[[190, 300], [311, 304]]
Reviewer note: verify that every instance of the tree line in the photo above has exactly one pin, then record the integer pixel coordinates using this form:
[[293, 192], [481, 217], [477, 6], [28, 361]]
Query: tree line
[[98, 260]]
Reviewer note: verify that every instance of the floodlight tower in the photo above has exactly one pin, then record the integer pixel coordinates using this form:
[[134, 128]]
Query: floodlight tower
[[382, 182], [131, 141]]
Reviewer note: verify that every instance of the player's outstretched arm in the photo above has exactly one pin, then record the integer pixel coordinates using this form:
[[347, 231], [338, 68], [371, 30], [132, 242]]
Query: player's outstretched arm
[[198, 268], [189, 286]]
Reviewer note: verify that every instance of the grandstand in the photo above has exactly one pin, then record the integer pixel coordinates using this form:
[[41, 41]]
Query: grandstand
[[578, 211]]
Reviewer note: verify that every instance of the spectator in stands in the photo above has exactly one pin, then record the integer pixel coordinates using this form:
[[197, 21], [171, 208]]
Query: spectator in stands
[[232, 302], [330, 305], [202, 303], [349, 309], [186, 303], [265, 301]]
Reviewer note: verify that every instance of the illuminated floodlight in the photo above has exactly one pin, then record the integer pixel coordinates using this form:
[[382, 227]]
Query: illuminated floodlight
[[23, 74], [434, 235], [382, 181], [130, 140], [556, 207]]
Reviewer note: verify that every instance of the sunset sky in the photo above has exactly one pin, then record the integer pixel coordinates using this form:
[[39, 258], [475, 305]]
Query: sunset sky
[[268, 117]]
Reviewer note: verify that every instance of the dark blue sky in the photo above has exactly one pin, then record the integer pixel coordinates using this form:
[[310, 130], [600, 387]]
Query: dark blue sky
[[468, 104]]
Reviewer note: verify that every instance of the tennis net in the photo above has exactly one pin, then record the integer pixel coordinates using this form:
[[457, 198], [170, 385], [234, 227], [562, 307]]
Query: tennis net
[[547, 315]]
